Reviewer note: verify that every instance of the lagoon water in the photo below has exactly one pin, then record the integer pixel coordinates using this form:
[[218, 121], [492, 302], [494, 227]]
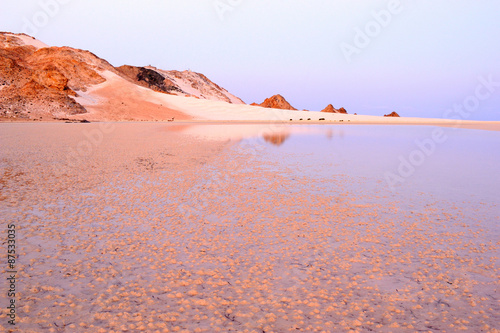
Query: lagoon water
[[461, 166], [251, 228]]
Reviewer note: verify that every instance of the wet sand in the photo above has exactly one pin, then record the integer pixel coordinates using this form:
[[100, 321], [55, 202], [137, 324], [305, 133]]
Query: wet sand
[[130, 227]]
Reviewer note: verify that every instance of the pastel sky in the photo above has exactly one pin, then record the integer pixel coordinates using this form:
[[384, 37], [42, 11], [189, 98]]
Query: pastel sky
[[420, 58]]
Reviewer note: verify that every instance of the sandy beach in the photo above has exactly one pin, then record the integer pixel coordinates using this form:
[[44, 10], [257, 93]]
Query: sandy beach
[[129, 227]]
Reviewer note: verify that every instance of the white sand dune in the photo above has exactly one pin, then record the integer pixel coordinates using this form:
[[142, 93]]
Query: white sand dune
[[118, 99]]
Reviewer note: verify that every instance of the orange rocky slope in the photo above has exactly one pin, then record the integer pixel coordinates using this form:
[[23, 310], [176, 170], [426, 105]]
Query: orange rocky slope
[[38, 82], [32, 81]]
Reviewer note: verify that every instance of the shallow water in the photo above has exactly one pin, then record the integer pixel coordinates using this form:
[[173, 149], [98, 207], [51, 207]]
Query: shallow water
[[204, 228], [462, 165]]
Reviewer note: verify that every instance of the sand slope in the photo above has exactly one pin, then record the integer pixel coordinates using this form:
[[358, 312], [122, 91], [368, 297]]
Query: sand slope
[[120, 100]]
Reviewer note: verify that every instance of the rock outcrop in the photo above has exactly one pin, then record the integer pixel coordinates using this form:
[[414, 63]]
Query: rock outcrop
[[40, 82], [149, 78], [276, 102], [392, 114], [331, 109]]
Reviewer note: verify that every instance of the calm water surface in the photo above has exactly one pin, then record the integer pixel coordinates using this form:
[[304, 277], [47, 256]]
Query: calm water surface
[[404, 162], [464, 162]]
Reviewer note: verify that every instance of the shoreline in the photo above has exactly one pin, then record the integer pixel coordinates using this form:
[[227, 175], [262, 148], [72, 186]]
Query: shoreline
[[466, 124]]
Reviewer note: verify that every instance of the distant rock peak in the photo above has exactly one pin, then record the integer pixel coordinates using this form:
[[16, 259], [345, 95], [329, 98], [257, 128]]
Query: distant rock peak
[[331, 109], [276, 102]]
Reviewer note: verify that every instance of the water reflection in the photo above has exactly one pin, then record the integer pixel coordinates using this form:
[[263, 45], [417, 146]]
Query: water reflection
[[276, 139], [274, 134], [371, 152]]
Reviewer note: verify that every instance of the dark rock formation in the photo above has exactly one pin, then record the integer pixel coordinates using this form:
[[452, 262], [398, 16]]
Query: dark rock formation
[[392, 114], [151, 77], [148, 78]]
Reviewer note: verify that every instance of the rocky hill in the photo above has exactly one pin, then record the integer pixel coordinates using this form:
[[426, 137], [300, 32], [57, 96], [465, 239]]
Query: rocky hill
[[392, 114], [331, 109], [39, 82], [276, 102]]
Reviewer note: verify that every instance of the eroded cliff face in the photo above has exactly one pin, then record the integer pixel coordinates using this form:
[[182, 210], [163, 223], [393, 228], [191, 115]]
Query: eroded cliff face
[[40, 82]]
